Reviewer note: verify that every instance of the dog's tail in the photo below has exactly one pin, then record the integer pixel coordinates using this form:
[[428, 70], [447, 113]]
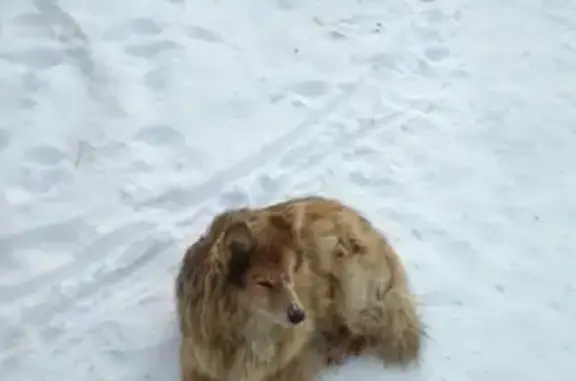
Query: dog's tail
[[403, 332]]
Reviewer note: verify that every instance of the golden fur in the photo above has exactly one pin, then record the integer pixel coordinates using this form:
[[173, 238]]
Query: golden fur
[[257, 287]]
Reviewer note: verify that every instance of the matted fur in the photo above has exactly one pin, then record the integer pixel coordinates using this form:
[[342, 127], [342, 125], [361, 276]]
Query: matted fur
[[237, 281]]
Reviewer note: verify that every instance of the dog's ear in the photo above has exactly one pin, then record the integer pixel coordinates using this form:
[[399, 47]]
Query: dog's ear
[[284, 227], [288, 235], [239, 242], [280, 223]]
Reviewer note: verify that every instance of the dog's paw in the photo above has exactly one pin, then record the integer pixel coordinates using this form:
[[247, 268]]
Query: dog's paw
[[346, 347]]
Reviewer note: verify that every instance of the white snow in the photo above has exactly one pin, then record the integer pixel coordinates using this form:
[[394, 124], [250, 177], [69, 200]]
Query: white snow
[[125, 125]]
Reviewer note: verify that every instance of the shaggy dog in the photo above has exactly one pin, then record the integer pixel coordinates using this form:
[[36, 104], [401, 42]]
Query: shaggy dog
[[260, 284]]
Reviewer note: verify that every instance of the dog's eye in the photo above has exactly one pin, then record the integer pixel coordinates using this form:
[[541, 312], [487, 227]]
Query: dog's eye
[[265, 284]]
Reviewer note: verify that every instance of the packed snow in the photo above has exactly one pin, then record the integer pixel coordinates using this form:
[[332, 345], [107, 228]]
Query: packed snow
[[125, 125]]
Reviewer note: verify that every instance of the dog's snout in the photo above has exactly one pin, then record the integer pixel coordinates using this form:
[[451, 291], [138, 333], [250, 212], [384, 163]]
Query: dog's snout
[[296, 314]]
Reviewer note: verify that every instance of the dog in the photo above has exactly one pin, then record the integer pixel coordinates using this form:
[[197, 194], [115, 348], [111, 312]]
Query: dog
[[256, 289]]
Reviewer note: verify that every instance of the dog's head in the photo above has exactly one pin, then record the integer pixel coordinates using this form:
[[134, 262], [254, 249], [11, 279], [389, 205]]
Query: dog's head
[[262, 261]]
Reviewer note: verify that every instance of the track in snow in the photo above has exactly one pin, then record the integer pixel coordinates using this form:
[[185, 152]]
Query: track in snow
[[384, 105]]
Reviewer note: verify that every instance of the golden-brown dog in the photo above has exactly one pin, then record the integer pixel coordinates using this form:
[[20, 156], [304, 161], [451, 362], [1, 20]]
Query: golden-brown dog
[[254, 290]]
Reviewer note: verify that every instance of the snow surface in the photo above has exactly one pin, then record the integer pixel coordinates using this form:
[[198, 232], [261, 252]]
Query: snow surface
[[125, 125]]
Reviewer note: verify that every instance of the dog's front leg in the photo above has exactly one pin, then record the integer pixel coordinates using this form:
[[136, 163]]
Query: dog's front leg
[[343, 344], [188, 368], [191, 375], [304, 367]]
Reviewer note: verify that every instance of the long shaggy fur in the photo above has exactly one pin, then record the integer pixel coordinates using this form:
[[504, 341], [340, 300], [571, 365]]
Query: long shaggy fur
[[328, 261]]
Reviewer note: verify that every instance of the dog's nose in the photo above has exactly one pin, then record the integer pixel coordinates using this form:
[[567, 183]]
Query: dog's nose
[[295, 314]]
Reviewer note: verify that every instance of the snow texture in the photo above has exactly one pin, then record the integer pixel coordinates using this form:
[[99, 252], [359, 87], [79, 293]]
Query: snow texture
[[125, 125]]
